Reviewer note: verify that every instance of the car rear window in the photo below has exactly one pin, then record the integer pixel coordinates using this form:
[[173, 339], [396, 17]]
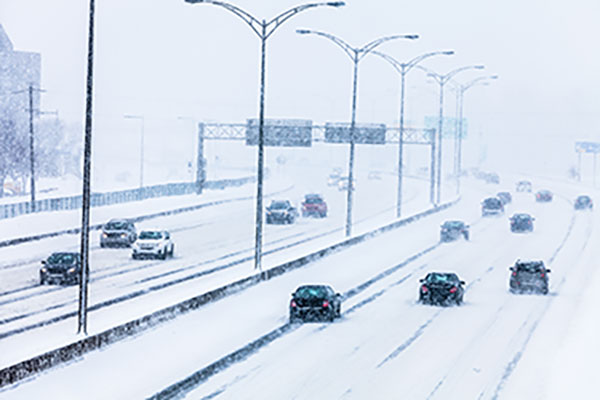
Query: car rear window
[[530, 267], [442, 278], [312, 291], [492, 203], [150, 235]]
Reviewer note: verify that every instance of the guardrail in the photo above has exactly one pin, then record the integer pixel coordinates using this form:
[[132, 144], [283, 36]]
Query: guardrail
[[118, 197], [24, 369]]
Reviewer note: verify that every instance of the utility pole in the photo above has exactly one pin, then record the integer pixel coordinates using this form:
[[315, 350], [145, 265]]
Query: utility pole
[[87, 166], [31, 149]]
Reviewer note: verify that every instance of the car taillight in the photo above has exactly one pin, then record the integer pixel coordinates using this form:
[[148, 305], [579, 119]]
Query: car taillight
[[543, 275], [514, 273], [453, 289], [293, 304], [424, 289], [325, 304]]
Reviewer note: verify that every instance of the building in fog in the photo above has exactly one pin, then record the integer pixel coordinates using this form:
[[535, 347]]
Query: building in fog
[[18, 70]]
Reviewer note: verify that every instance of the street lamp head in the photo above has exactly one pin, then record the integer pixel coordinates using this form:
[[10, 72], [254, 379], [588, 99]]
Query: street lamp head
[[336, 3], [303, 31], [412, 37], [448, 52], [479, 66], [493, 77], [194, 1]]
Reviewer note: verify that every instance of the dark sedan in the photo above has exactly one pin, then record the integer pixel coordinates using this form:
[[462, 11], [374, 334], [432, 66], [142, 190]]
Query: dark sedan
[[61, 268], [441, 288], [452, 230], [529, 276], [521, 223], [281, 211], [584, 202], [543, 196], [315, 303]]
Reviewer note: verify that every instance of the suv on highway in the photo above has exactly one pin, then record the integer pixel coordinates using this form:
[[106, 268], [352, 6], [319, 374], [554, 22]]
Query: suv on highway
[[118, 233], [441, 288], [314, 205], [281, 211], [452, 230], [315, 302], [524, 186], [61, 268], [529, 276], [154, 244], [521, 223], [584, 202], [492, 206]]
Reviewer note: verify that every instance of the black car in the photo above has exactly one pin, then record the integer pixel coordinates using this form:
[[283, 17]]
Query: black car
[[543, 196], [529, 276], [524, 186], [584, 202], [452, 230], [315, 303], [441, 288], [281, 211], [504, 197], [492, 206], [521, 223], [61, 268], [118, 233]]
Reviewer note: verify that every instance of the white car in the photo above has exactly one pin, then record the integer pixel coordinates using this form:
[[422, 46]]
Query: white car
[[333, 180], [153, 243], [343, 183]]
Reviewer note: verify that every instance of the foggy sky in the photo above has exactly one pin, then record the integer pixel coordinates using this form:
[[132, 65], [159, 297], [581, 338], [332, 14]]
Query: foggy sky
[[166, 58]]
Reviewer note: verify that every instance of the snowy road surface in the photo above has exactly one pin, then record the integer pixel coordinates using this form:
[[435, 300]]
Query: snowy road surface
[[386, 345]]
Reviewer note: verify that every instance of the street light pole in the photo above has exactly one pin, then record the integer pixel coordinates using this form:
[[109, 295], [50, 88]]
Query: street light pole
[[87, 163], [442, 80], [263, 29], [356, 54], [141, 119], [458, 139], [403, 69]]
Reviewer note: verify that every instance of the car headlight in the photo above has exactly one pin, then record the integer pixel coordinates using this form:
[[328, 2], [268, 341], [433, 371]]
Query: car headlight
[[104, 235], [72, 270], [44, 269], [123, 235]]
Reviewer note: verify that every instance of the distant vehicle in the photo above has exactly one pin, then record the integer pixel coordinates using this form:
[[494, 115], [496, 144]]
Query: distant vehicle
[[374, 175], [492, 206], [333, 179], [521, 223], [315, 302], [543, 196], [504, 197], [343, 183], [153, 244], [118, 233], [492, 177], [584, 202], [524, 186], [281, 211], [452, 230], [314, 205], [529, 276], [441, 288], [61, 268]]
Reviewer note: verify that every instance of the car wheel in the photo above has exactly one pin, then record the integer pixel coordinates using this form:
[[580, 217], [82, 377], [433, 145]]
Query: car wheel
[[42, 281], [163, 254], [545, 290], [102, 245], [459, 301], [135, 256], [172, 252], [293, 318]]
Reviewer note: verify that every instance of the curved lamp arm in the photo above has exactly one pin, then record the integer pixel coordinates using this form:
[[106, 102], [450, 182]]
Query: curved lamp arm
[[366, 49], [349, 50], [284, 16]]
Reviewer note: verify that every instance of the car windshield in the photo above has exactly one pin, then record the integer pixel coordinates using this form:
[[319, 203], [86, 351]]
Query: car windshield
[[150, 235], [63, 258], [279, 205], [116, 225], [313, 199], [453, 224], [530, 267], [442, 278], [521, 217], [307, 292], [583, 199]]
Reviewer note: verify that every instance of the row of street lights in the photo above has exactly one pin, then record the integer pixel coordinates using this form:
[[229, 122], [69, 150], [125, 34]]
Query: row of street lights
[[264, 29]]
